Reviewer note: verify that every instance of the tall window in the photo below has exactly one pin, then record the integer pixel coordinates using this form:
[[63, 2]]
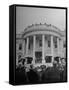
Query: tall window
[[55, 42], [39, 40], [40, 43], [30, 41], [49, 41]]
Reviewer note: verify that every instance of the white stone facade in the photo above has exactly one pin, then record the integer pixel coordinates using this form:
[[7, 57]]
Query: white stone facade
[[42, 42]]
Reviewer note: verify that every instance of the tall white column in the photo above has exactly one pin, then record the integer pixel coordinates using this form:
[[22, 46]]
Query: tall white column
[[61, 48], [23, 47], [58, 48], [17, 60], [27, 46], [52, 48], [34, 40], [58, 45], [43, 40]]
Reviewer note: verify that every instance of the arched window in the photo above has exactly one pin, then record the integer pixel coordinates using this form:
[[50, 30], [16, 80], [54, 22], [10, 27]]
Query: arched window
[[30, 42]]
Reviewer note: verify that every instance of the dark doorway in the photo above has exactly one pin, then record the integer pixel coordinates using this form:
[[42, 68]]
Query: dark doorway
[[38, 56], [48, 59]]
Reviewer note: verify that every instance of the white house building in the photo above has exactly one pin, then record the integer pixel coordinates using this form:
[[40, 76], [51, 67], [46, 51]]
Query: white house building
[[43, 43]]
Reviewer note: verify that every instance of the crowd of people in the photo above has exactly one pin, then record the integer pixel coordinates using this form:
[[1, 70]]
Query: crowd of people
[[42, 74]]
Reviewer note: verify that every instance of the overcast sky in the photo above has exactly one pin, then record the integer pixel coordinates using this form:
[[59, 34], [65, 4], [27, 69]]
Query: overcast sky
[[26, 16]]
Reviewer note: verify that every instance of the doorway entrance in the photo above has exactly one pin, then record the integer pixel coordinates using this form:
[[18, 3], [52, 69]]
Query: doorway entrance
[[38, 56]]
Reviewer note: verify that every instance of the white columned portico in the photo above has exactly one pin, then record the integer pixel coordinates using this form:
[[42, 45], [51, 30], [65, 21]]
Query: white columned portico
[[34, 40], [43, 40], [52, 48], [27, 45]]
